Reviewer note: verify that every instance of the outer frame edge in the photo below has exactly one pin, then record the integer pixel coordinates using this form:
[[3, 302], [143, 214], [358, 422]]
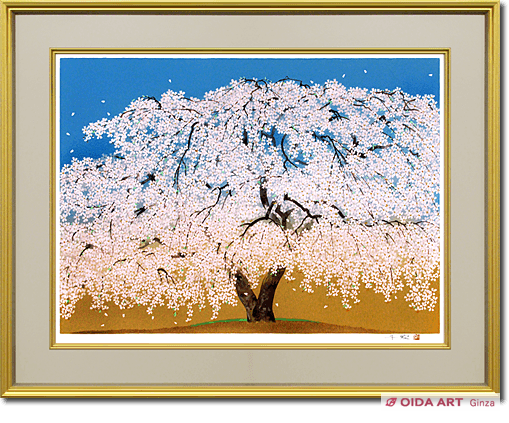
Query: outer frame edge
[[8, 390], [492, 200], [6, 196], [242, 391]]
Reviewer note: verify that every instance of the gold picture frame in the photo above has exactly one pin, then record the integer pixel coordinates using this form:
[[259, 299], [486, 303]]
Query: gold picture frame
[[11, 387]]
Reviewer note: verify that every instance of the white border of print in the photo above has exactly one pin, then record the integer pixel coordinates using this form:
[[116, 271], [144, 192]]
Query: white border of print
[[231, 338]]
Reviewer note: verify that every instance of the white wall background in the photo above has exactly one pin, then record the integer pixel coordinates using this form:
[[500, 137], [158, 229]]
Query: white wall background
[[267, 411]]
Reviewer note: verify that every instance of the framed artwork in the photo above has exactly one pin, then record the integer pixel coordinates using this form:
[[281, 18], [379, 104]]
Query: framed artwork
[[249, 219], [260, 202]]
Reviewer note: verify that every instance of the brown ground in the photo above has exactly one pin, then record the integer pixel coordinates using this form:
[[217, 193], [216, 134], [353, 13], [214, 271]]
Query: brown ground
[[371, 315], [280, 326]]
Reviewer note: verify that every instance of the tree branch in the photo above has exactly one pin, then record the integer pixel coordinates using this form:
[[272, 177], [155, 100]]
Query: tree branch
[[177, 172]]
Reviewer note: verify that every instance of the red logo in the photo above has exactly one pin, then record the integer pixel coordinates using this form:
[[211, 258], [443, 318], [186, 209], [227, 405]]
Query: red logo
[[390, 402], [417, 337]]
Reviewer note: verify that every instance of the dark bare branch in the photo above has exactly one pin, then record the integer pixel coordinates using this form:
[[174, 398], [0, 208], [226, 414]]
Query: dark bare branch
[[177, 172], [304, 209]]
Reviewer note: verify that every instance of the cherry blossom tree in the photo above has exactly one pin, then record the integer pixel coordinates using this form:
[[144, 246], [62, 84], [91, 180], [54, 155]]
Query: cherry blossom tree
[[206, 200]]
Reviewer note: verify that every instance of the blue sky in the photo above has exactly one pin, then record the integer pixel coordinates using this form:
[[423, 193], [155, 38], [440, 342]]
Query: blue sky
[[90, 88]]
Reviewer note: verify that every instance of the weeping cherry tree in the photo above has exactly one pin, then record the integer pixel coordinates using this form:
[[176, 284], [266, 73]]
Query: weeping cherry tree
[[206, 201]]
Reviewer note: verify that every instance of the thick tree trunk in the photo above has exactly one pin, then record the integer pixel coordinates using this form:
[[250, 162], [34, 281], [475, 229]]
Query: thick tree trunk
[[246, 295], [259, 309]]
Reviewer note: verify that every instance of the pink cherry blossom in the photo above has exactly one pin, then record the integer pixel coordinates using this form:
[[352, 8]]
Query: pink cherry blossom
[[320, 185]]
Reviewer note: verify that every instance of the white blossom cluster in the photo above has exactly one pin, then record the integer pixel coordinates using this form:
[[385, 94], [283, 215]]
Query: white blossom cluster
[[338, 186]]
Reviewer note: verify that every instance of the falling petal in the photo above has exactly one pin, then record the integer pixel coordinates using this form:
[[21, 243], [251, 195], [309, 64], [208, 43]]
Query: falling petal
[[430, 74], [103, 101], [344, 75], [68, 134], [365, 71], [72, 114], [72, 151]]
